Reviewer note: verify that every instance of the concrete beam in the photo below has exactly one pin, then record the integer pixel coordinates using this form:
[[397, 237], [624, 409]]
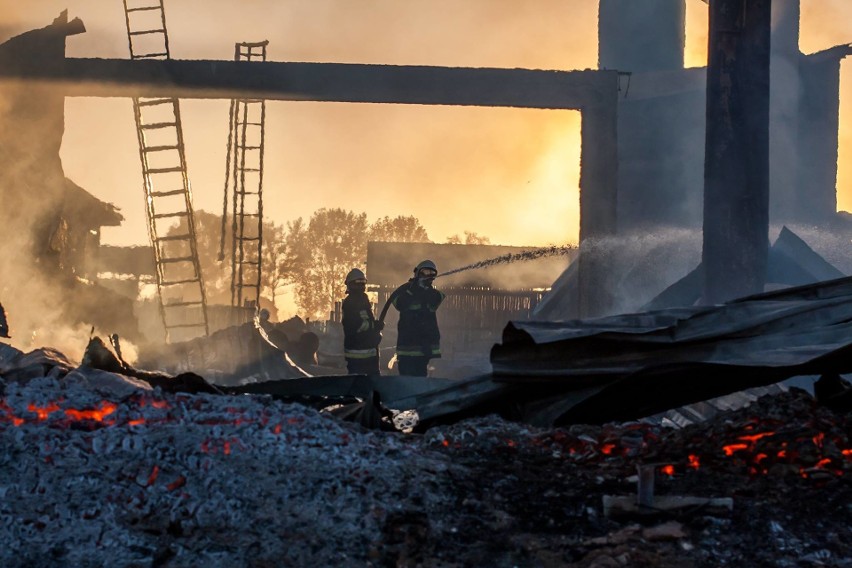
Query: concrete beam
[[331, 82]]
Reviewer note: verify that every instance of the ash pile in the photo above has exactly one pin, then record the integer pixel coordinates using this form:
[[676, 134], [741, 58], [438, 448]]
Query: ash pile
[[101, 468]]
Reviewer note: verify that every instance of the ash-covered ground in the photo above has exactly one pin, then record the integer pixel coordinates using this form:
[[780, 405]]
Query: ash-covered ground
[[101, 470]]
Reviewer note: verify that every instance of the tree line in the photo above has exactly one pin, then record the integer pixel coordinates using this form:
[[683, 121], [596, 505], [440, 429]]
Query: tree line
[[313, 256]]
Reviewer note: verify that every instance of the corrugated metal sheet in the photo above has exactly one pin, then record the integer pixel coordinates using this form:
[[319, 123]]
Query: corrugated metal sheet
[[641, 364]]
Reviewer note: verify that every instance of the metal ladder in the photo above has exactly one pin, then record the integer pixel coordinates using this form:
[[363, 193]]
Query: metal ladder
[[168, 195], [244, 173]]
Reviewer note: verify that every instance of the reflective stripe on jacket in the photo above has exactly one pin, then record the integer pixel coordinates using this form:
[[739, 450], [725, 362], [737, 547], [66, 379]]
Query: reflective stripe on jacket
[[360, 353]]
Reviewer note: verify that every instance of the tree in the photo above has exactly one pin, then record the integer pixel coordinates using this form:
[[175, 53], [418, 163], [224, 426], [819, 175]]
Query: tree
[[333, 243], [470, 238], [276, 256], [400, 229], [318, 254], [278, 260]]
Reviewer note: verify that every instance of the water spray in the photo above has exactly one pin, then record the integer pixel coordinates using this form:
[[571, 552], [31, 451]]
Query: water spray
[[503, 259], [514, 257]]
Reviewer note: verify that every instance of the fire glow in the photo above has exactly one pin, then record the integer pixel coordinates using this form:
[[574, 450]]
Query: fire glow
[[758, 453], [105, 413], [144, 411], [53, 411]]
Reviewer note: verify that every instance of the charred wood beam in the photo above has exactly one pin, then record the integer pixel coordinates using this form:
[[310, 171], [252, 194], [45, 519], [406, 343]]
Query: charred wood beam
[[736, 168]]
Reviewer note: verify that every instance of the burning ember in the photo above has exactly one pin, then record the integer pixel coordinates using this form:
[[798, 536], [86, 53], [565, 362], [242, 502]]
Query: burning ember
[[99, 469], [86, 479]]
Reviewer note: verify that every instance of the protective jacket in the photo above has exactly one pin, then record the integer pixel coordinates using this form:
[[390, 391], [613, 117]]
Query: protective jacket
[[4, 325], [361, 333], [417, 331]]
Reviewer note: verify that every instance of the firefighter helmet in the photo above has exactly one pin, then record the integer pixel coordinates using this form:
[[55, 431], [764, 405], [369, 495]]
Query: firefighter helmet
[[354, 275], [426, 265]]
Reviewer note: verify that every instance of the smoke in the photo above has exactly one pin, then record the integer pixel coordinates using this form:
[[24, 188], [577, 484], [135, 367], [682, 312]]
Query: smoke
[[645, 264], [45, 302], [34, 303]]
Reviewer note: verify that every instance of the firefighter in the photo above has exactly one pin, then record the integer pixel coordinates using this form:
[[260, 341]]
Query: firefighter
[[361, 332], [4, 325], [418, 339]]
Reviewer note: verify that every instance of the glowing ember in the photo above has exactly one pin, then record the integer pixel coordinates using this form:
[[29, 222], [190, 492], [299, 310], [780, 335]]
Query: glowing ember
[[668, 470], [177, 483], [731, 448], [155, 471], [43, 411], [755, 437], [694, 462], [9, 415], [106, 408]]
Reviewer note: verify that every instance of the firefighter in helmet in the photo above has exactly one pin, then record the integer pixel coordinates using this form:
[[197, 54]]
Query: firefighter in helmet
[[418, 339], [4, 325], [361, 332]]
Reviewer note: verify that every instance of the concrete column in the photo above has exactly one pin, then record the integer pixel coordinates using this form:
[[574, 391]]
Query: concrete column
[[785, 100], [736, 168], [598, 201], [641, 35], [818, 139]]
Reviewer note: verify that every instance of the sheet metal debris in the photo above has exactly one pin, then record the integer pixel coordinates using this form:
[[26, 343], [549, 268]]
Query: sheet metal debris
[[635, 365]]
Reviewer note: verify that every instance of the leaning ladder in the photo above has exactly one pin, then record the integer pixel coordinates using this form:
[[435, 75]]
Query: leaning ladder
[[171, 223], [245, 174]]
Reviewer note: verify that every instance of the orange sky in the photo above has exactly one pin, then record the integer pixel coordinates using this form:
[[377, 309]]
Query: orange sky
[[509, 174]]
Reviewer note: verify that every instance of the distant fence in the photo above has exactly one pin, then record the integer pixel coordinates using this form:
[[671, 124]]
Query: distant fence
[[471, 318]]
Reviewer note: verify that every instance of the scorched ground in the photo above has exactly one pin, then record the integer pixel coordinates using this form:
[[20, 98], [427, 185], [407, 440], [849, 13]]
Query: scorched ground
[[98, 469]]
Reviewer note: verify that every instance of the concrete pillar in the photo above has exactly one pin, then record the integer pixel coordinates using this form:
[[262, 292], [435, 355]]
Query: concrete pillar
[[818, 139], [785, 97], [641, 35], [598, 201], [736, 168]]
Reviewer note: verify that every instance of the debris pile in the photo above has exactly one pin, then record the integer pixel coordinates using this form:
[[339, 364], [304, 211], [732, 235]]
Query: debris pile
[[100, 468]]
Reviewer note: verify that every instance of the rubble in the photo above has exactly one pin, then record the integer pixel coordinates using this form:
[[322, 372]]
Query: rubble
[[100, 468]]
